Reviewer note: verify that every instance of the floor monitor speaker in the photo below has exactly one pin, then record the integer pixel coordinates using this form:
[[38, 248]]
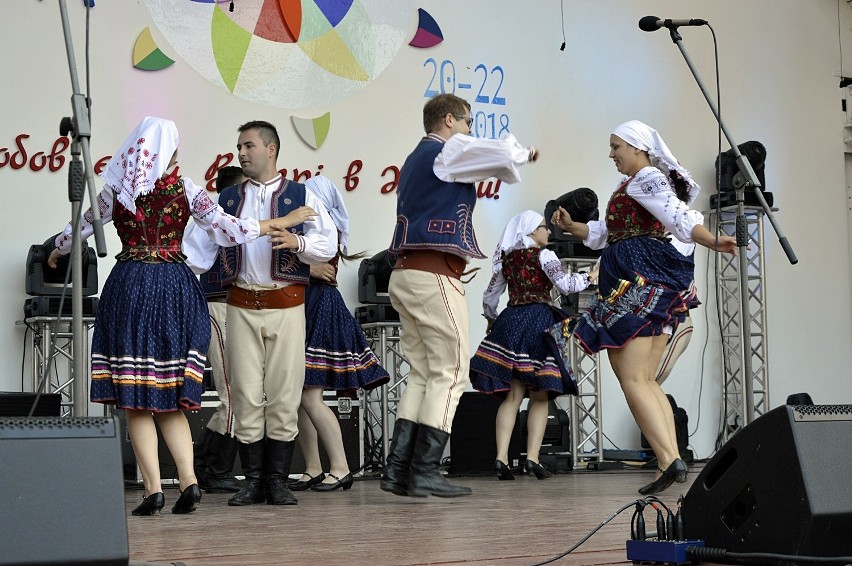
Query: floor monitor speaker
[[61, 492], [782, 484]]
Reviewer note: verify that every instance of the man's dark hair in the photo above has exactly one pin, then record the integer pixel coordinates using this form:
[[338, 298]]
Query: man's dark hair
[[228, 176], [439, 106], [267, 133]]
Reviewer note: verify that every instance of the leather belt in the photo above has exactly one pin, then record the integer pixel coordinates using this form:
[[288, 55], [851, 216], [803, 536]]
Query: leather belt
[[442, 263], [284, 298]]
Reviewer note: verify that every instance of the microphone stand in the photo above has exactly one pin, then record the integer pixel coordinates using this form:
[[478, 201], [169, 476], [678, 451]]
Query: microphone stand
[[747, 177], [81, 132]]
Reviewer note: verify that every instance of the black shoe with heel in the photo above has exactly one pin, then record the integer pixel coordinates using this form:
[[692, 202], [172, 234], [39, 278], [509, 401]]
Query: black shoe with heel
[[151, 505], [299, 485], [188, 500], [676, 472], [535, 468], [504, 472], [345, 482]]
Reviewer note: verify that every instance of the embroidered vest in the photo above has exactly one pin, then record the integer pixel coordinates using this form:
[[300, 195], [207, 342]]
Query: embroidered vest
[[433, 214], [286, 266], [154, 233], [626, 218], [526, 279]]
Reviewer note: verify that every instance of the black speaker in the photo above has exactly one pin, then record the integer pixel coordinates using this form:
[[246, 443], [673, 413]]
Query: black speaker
[[14, 404], [61, 492], [473, 443], [782, 484]]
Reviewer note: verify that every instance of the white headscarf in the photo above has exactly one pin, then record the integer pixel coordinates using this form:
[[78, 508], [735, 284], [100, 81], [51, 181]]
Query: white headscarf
[[516, 236], [330, 196], [643, 136], [142, 159]]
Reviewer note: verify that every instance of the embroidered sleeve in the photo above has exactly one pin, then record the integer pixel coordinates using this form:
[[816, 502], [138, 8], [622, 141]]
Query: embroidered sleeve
[[224, 229], [491, 297], [652, 190], [597, 235], [564, 282], [106, 198]]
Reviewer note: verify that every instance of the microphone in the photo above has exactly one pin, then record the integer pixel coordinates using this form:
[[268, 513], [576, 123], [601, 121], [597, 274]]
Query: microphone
[[653, 23]]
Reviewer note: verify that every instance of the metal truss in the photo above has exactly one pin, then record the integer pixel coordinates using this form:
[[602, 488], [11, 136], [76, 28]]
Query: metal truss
[[379, 406], [734, 383], [47, 329]]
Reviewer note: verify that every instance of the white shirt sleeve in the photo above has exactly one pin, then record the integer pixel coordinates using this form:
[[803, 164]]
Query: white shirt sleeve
[[564, 282], [224, 229], [491, 297], [199, 249], [653, 191], [598, 234], [466, 159], [105, 201], [319, 242]]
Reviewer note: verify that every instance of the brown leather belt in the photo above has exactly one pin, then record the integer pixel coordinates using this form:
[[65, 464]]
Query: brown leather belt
[[284, 298], [432, 261]]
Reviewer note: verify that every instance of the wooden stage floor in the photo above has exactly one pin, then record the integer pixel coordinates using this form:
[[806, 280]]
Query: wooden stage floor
[[521, 522]]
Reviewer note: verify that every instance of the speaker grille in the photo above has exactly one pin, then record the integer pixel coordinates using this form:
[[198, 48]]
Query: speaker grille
[[56, 427], [806, 413]]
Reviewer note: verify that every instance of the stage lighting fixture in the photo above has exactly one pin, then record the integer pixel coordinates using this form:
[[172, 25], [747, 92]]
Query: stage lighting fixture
[[731, 179], [374, 277], [581, 204], [43, 280]]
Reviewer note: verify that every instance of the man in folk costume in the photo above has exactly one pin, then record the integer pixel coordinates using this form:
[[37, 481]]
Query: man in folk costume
[[433, 239], [266, 312]]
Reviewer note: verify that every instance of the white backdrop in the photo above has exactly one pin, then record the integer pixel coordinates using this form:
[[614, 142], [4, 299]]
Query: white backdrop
[[780, 63]]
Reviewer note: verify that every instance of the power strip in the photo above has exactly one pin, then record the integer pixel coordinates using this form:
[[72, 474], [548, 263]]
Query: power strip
[[660, 551]]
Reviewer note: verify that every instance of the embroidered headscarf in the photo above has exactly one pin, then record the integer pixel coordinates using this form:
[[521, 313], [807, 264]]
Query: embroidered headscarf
[[646, 138], [330, 196], [516, 236], [142, 159]]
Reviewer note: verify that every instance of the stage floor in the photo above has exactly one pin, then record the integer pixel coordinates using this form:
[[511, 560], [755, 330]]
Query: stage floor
[[504, 523]]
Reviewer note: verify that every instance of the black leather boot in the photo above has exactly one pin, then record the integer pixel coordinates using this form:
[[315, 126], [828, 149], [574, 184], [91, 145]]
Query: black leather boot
[[395, 474], [254, 486], [201, 455], [279, 454], [219, 475], [425, 477]]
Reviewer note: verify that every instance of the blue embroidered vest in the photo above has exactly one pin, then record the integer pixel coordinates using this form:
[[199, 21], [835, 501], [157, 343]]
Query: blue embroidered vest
[[433, 214], [286, 266]]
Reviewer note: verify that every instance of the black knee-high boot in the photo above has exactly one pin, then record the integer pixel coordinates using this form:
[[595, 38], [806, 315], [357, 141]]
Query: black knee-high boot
[[395, 475], [201, 451], [279, 455], [254, 486], [219, 475], [425, 477]]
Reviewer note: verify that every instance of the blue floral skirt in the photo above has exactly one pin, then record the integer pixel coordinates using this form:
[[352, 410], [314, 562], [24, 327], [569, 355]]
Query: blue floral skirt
[[644, 285], [519, 347], [152, 331], [337, 354]]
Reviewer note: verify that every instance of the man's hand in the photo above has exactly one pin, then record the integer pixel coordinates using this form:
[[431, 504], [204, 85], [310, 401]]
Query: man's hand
[[282, 239]]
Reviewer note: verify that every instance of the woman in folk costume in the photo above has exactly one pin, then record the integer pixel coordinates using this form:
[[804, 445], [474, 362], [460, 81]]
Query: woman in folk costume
[[337, 357], [152, 328], [645, 287], [518, 358]]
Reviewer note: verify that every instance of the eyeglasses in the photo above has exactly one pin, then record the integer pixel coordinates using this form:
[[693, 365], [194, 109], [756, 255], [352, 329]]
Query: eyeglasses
[[467, 119]]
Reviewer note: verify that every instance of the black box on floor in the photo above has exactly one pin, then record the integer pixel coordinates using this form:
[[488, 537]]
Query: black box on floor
[[49, 306], [473, 442], [348, 413], [13, 404]]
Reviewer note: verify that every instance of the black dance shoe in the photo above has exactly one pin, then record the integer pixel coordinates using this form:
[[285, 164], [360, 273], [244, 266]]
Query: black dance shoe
[[504, 472], [535, 468], [299, 485], [188, 500], [345, 482], [151, 505], [676, 472]]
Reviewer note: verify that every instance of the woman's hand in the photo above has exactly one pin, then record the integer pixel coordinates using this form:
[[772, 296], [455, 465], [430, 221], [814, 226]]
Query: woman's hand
[[324, 271], [294, 218], [561, 219], [54, 258]]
